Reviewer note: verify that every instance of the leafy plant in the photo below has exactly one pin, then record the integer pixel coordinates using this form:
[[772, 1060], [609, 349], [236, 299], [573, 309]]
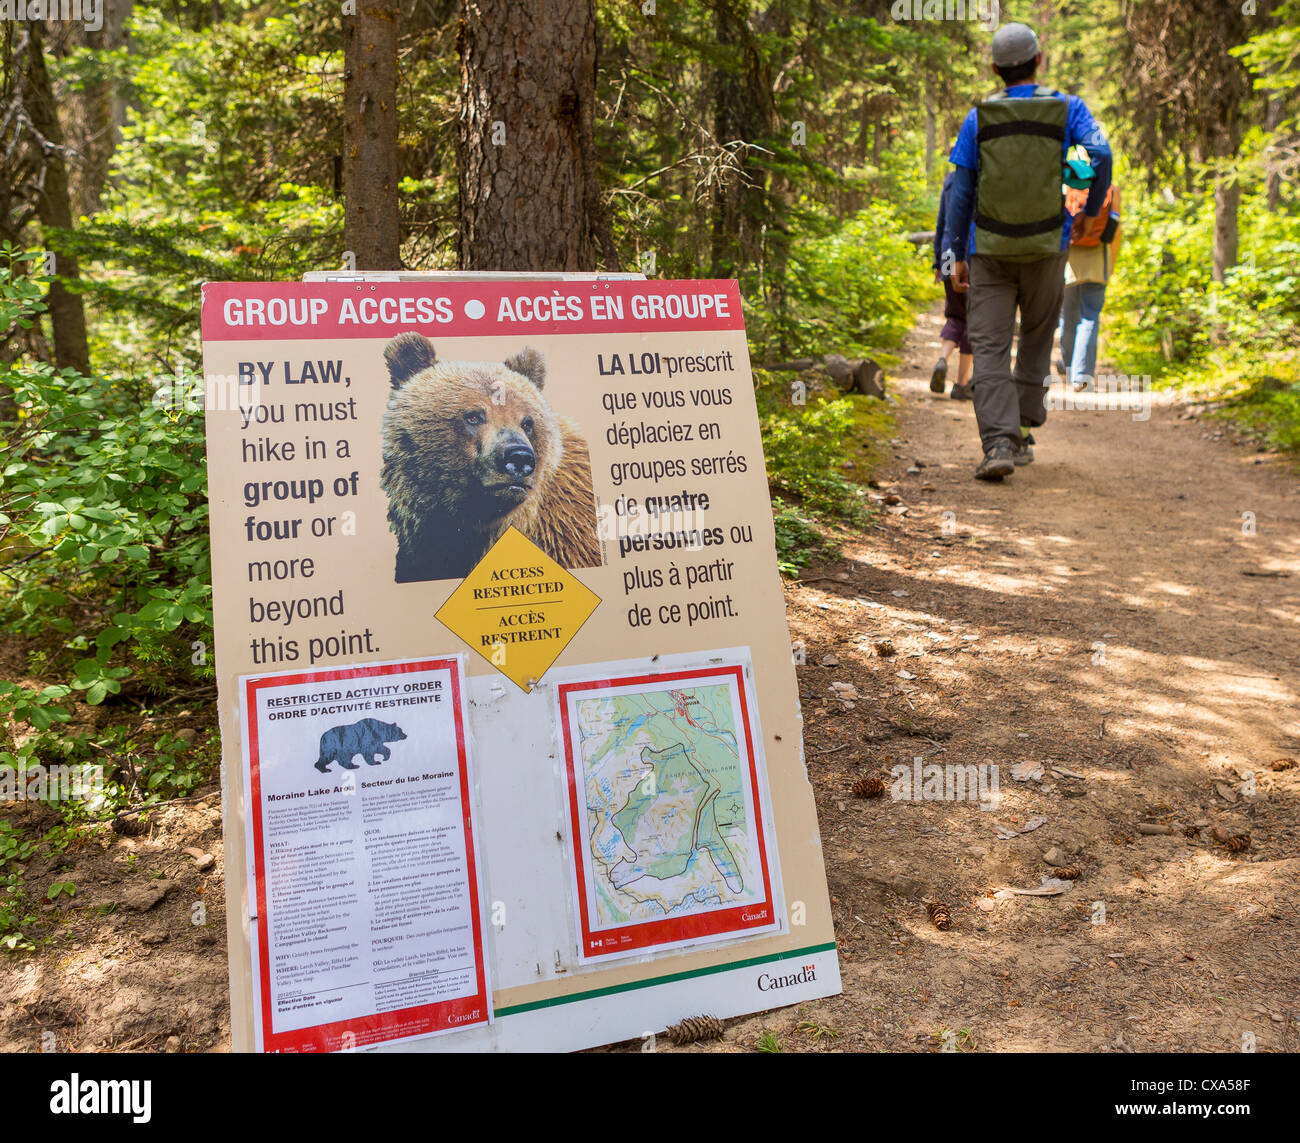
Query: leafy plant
[[798, 540], [15, 845], [104, 524], [14, 917], [1234, 344], [805, 448]]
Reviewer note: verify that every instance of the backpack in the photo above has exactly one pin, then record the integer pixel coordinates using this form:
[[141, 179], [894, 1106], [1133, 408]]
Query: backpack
[[1100, 230], [1019, 208]]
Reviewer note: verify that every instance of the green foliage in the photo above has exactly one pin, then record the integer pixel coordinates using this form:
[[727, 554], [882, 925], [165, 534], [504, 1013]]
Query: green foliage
[[769, 1042], [14, 917], [1238, 341], [1275, 52], [105, 551], [853, 290], [59, 888], [805, 448], [176, 768], [34, 707], [798, 539], [820, 129], [15, 845], [105, 544]]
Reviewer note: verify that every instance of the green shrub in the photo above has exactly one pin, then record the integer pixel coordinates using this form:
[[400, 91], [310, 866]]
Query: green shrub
[[798, 540], [853, 290], [1237, 341], [103, 531]]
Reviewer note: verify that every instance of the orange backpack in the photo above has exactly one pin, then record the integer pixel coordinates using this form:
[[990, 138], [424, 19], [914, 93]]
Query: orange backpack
[[1094, 230]]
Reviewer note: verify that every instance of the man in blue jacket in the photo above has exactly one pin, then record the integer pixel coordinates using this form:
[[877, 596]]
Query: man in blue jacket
[[1004, 216]]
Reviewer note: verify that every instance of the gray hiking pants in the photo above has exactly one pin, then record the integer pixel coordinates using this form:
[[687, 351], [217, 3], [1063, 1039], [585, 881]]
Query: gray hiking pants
[[1006, 399]]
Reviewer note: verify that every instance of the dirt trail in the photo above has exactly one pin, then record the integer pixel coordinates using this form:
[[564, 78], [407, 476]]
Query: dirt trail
[[1108, 611]]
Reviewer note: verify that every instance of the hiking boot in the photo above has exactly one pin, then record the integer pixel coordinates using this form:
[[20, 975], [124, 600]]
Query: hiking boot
[[939, 376], [1023, 453], [998, 462], [961, 393]]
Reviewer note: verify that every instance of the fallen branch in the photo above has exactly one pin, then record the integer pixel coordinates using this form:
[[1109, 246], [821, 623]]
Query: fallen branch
[[861, 374]]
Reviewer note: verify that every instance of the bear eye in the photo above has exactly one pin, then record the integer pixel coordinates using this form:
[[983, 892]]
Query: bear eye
[[475, 417], [527, 425]]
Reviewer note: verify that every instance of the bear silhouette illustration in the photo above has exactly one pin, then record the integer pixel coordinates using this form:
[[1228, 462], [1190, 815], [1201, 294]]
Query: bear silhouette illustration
[[368, 738]]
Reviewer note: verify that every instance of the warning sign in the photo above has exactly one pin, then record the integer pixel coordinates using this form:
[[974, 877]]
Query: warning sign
[[518, 609], [564, 477]]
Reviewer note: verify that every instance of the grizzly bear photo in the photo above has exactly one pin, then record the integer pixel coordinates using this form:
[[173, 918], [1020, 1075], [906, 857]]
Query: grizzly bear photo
[[472, 448], [343, 743]]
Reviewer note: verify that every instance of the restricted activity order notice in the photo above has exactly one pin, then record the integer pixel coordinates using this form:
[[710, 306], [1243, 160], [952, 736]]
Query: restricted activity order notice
[[366, 907]]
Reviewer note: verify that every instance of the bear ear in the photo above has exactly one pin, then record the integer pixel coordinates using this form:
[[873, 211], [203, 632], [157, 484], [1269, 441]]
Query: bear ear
[[529, 363], [408, 354]]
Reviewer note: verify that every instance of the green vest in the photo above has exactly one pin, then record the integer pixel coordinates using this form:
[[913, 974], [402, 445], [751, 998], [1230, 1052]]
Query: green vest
[[1019, 207]]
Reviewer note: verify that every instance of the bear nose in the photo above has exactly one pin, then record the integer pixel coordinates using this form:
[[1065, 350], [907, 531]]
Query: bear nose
[[517, 460]]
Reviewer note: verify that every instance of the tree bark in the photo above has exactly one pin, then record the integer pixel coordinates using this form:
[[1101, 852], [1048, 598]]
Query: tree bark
[[530, 195], [1227, 197], [54, 209], [929, 130], [371, 224], [98, 112], [742, 112], [1273, 178]]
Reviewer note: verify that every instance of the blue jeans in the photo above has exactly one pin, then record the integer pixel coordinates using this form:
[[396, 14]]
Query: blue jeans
[[1080, 319]]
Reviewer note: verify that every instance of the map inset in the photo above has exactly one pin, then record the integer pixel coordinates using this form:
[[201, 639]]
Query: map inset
[[665, 773]]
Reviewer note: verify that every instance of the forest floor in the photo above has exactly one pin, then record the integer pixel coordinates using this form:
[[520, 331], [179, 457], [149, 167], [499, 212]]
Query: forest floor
[[1105, 616], [1108, 615]]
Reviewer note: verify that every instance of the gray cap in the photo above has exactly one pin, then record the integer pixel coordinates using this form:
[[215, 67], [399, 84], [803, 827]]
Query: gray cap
[[1014, 44]]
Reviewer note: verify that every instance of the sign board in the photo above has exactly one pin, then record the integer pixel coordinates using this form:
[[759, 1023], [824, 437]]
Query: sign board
[[511, 736]]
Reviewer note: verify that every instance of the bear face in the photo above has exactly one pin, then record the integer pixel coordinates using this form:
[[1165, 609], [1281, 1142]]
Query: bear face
[[472, 448], [473, 439]]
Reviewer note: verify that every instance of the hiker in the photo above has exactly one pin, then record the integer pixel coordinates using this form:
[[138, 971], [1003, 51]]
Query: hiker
[[953, 335], [1008, 232], [1090, 265]]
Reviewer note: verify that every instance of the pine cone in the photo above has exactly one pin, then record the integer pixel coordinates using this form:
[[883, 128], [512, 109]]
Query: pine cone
[[884, 648], [1283, 764], [1192, 831], [1232, 842], [939, 915], [694, 1029], [868, 788], [1068, 873]]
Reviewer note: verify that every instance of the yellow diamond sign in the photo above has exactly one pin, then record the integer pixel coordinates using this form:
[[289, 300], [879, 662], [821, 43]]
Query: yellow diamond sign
[[518, 609]]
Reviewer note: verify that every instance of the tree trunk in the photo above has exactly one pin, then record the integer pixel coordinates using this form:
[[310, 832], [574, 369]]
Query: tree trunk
[[530, 194], [54, 209], [98, 112], [371, 225], [929, 130], [1227, 197], [1273, 179], [1044, 28], [742, 113]]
